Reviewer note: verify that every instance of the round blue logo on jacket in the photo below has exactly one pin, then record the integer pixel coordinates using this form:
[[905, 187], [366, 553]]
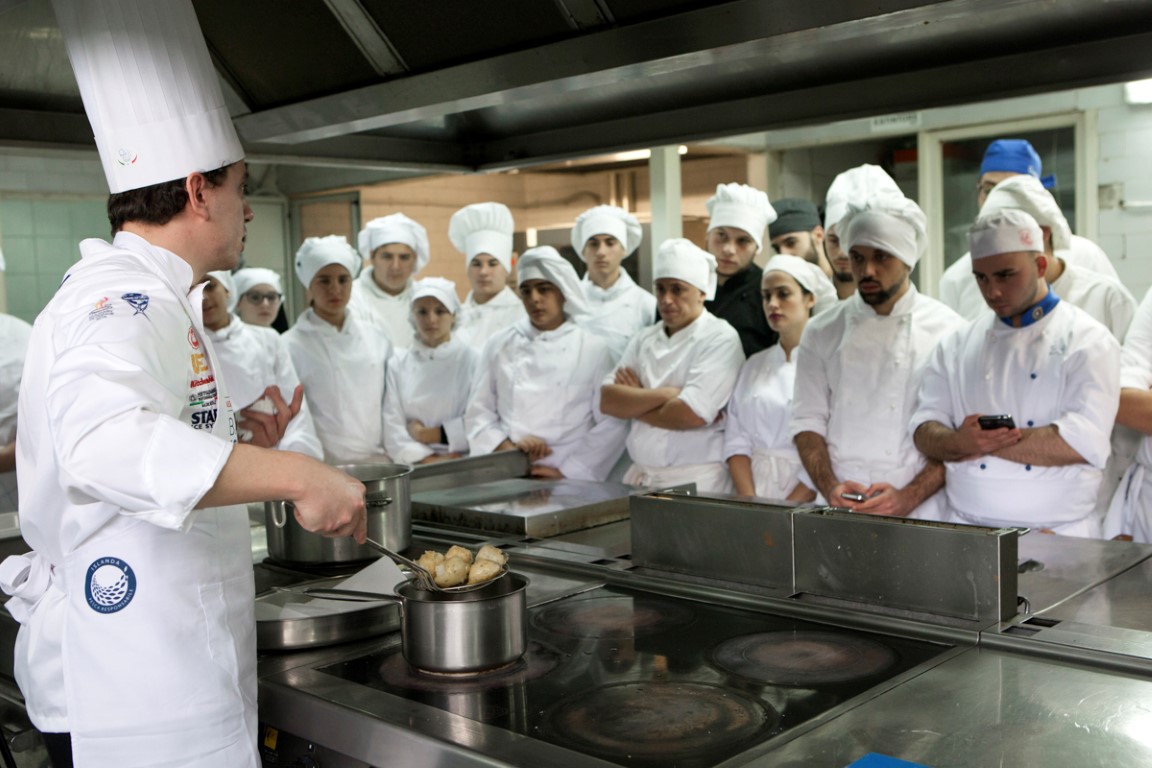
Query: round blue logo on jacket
[[110, 586]]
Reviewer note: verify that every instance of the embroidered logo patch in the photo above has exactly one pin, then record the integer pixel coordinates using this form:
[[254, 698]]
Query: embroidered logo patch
[[138, 302], [100, 310], [126, 157], [110, 585]]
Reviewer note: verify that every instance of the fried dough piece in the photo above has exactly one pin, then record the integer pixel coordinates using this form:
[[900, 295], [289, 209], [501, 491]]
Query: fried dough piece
[[489, 552], [460, 552], [483, 570], [452, 572], [429, 560]]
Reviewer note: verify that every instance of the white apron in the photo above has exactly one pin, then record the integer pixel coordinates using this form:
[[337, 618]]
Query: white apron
[[709, 478], [774, 472]]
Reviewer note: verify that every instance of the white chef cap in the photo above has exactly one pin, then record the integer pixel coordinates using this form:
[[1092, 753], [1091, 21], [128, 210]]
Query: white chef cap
[[683, 260], [483, 228], [438, 288], [149, 89], [1026, 193], [742, 207], [396, 228], [318, 252], [892, 224], [808, 275], [250, 277], [607, 220], [1009, 230], [545, 263], [857, 186], [224, 277]]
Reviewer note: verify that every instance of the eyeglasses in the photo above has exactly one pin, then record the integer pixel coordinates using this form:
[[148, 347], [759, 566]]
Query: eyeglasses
[[260, 298]]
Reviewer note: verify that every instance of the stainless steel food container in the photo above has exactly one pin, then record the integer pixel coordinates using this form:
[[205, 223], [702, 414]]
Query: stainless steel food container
[[389, 520]]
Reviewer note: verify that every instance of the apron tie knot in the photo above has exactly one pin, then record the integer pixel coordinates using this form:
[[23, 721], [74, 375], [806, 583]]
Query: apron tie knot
[[26, 578]]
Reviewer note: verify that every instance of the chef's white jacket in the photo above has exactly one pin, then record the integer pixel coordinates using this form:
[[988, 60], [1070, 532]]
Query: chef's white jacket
[[342, 371], [1104, 299], [618, 313], [477, 323], [757, 421], [431, 384], [252, 359], [1064, 370], [546, 384], [703, 360], [14, 335], [959, 291], [392, 312], [856, 385], [1131, 509]]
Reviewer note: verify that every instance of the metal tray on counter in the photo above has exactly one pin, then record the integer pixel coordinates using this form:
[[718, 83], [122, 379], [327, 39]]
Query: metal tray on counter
[[289, 619]]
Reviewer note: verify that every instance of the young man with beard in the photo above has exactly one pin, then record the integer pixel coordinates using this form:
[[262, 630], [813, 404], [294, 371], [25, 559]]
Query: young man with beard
[[797, 231], [857, 380], [852, 187]]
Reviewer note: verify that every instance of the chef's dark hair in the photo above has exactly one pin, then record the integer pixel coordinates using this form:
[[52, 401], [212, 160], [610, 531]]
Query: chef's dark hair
[[157, 204]]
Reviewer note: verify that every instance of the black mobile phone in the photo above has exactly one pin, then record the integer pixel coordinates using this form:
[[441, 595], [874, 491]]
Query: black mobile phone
[[852, 496], [998, 421]]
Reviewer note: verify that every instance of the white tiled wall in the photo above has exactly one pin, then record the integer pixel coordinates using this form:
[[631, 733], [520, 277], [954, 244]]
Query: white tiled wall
[[1125, 233]]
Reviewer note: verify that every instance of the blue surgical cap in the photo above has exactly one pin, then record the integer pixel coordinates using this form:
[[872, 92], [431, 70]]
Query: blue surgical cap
[[1015, 156]]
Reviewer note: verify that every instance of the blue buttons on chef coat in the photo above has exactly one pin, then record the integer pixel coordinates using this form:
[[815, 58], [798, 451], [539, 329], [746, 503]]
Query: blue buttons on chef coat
[[1027, 467], [1033, 375], [983, 466], [1029, 422]]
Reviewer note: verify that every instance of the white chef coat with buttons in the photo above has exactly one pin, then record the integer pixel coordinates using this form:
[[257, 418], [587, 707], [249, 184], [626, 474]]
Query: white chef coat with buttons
[[757, 422], [1131, 508], [392, 312], [618, 313], [546, 384], [342, 371], [1104, 299], [856, 385], [1061, 370], [252, 359], [432, 385], [477, 323], [14, 334]]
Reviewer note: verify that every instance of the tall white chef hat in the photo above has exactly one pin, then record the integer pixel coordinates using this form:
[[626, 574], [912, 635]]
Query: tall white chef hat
[[810, 277], [395, 228], [149, 89], [856, 186], [1027, 193], [318, 252], [483, 228], [607, 220], [892, 224], [545, 263], [224, 277], [682, 259], [439, 288], [1008, 230], [249, 277], [742, 207]]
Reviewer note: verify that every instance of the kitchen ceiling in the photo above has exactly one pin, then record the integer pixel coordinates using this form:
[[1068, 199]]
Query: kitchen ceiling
[[380, 88]]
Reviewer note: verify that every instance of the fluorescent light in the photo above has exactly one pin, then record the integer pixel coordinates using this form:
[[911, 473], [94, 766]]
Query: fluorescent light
[[635, 154], [1138, 92]]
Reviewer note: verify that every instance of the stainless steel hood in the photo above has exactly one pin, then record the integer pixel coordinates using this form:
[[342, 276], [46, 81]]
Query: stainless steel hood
[[403, 88]]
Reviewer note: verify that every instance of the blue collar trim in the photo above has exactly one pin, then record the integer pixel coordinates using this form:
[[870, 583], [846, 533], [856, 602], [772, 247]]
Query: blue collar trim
[[1036, 312]]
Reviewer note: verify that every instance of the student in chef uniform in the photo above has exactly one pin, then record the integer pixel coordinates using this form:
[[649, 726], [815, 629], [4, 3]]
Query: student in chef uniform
[[798, 231], [395, 247], [854, 186], [1042, 360], [483, 233], [1005, 159], [253, 358], [617, 308], [862, 361], [14, 335], [1130, 513], [757, 445], [538, 386], [259, 293], [137, 642], [738, 215], [428, 384], [676, 377], [340, 355]]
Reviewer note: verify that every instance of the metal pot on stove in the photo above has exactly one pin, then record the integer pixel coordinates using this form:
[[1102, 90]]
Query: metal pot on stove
[[388, 500]]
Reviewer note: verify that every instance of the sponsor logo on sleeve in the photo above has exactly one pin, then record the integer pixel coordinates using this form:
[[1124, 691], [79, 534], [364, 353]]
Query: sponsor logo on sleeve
[[138, 302], [100, 310], [193, 339], [110, 585]]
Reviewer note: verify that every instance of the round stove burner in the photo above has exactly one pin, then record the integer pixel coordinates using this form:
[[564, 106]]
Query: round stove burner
[[537, 661], [800, 659], [659, 723], [611, 617]]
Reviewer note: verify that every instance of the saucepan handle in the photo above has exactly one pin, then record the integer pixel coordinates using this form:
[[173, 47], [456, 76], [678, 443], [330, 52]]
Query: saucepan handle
[[279, 513], [353, 595]]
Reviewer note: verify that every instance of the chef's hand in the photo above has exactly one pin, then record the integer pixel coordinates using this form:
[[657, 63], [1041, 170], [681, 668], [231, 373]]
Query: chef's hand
[[835, 497], [422, 434], [435, 457], [976, 442], [885, 499], [332, 503], [534, 447], [268, 428], [626, 377], [546, 473]]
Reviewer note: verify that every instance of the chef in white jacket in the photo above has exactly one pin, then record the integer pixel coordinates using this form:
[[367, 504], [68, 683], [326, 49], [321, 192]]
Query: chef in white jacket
[[252, 359], [1035, 357], [538, 386], [617, 308], [137, 639], [675, 378], [483, 233], [259, 292], [1130, 515], [861, 366], [428, 384], [340, 355], [395, 248], [14, 335], [854, 186]]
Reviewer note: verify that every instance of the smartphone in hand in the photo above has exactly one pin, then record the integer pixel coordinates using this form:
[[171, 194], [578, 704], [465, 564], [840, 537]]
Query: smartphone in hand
[[852, 496], [998, 421]]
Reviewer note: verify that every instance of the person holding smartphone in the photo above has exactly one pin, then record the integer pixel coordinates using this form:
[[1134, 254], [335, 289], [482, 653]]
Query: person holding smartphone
[[1042, 361]]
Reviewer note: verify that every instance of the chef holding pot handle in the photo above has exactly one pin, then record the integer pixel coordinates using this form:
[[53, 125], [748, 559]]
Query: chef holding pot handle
[[137, 638]]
